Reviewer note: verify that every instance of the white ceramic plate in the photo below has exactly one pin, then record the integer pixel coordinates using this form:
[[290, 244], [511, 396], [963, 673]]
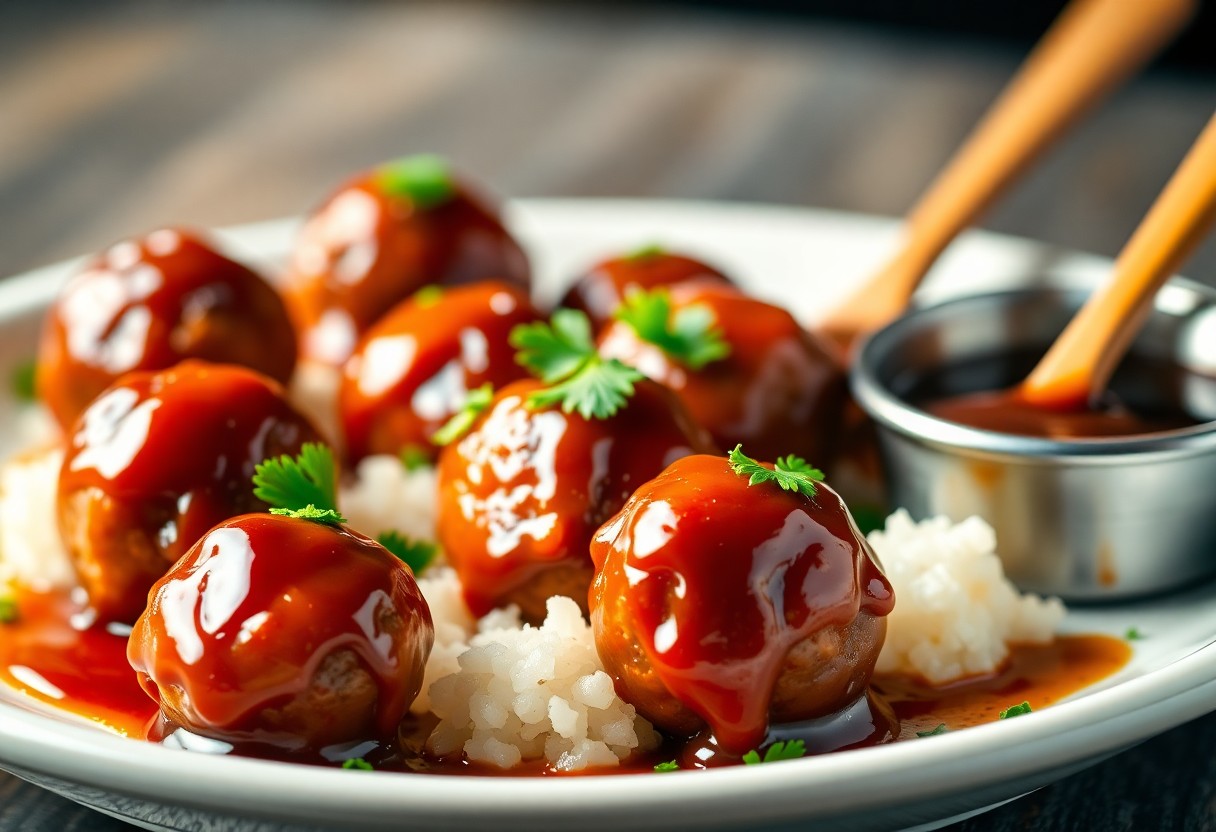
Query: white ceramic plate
[[806, 260]]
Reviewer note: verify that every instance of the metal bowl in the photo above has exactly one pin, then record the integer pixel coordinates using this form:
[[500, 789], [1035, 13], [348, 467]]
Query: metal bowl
[[1085, 519]]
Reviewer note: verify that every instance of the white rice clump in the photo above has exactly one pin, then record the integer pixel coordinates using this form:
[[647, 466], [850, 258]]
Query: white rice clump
[[955, 611], [385, 496], [31, 553], [512, 694]]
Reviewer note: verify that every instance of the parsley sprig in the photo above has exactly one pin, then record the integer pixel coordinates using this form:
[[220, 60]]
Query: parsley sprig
[[1015, 710], [9, 613], [474, 403], [357, 764], [424, 180], [304, 486], [416, 554], [562, 354], [669, 765], [939, 730], [778, 751], [690, 335], [792, 473], [24, 381]]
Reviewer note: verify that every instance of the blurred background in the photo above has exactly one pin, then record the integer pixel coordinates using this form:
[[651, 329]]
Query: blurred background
[[117, 116]]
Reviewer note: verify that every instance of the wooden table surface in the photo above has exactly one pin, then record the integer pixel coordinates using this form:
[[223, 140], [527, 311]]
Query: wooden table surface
[[116, 117]]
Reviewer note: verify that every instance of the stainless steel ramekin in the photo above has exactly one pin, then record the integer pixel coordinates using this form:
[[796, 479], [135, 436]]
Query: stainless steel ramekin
[[1086, 519]]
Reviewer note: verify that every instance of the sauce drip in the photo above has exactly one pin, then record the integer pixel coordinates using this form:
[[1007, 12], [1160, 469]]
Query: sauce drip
[[414, 368], [796, 620], [522, 494], [89, 668]]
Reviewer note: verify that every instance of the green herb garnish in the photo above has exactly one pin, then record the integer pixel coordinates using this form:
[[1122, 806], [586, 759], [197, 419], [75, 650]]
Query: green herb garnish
[[786, 750], [8, 610], [562, 354], [940, 729], [416, 554], [428, 295], [304, 486], [424, 180], [646, 252], [792, 473], [415, 458], [670, 765], [474, 403], [1133, 634], [24, 381], [690, 336], [1016, 710], [357, 764]]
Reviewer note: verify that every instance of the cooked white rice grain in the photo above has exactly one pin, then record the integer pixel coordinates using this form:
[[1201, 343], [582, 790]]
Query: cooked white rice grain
[[528, 693], [31, 553], [955, 612], [384, 496]]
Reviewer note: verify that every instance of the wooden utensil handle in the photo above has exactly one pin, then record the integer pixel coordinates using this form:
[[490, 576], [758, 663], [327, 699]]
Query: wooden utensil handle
[[1081, 361], [1092, 47]]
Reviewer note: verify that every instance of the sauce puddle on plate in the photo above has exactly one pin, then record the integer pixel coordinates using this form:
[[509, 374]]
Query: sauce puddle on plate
[[84, 671]]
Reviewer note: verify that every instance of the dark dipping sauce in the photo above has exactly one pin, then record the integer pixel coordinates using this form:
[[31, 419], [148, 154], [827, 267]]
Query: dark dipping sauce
[[84, 672], [1146, 395]]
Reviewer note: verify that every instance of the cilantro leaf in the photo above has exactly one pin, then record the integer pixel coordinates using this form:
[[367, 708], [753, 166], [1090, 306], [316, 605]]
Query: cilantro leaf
[[670, 765], [940, 729], [690, 336], [424, 180], [414, 457], [597, 391], [1015, 710], [9, 614], [474, 403], [357, 764], [310, 512], [646, 252], [555, 350], [791, 473], [306, 483], [783, 750], [1133, 634], [416, 554], [428, 295], [562, 354], [24, 381]]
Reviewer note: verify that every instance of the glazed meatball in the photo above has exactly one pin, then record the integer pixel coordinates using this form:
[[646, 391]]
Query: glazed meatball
[[414, 369], [148, 304], [600, 291], [776, 391], [722, 605], [521, 495], [383, 236], [284, 635], [156, 461]]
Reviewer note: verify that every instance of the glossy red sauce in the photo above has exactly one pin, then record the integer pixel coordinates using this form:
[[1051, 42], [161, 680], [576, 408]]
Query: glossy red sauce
[[87, 671], [413, 370], [600, 291], [778, 392], [235, 633], [784, 571], [366, 249], [146, 305], [521, 495], [1007, 411], [158, 460]]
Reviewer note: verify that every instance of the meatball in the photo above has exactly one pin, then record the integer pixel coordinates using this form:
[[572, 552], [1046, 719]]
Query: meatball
[[521, 495], [600, 291], [384, 235], [286, 635], [414, 369], [156, 461], [148, 304], [777, 391], [725, 605]]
